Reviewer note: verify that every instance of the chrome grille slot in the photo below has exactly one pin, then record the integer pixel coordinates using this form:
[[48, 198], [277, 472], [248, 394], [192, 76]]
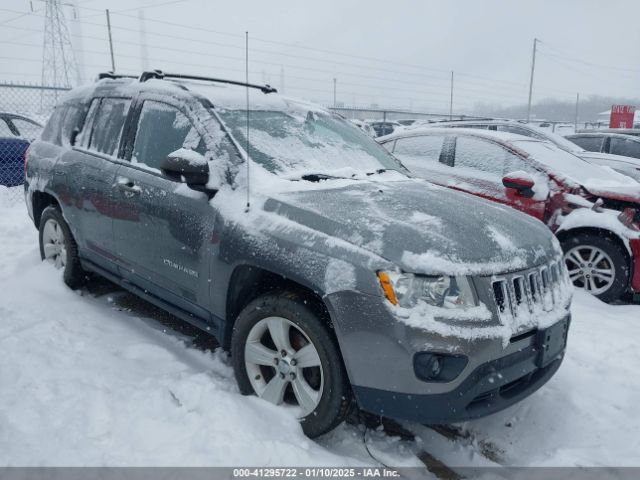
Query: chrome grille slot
[[501, 296], [539, 289], [533, 287], [546, 289], [520, 293]]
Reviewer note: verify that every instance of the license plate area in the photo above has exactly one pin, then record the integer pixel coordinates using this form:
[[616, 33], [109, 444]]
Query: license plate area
[[551, 341]]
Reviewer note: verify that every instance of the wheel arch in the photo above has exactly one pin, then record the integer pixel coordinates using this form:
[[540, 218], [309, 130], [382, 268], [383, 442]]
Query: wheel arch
[[39, 201], [247, 282], [601, 232]]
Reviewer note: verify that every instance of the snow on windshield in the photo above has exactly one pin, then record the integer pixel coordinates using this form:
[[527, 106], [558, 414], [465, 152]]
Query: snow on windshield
[[572, 167], [293, 143]]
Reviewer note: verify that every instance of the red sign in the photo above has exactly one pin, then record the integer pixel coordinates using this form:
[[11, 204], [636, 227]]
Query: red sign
[[622, 116]]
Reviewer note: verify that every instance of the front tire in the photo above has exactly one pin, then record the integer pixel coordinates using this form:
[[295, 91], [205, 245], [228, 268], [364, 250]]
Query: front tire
[[58, 247], [283, 352], [598, 265]]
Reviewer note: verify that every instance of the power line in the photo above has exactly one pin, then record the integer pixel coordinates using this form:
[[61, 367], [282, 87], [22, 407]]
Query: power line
[[567, 56]]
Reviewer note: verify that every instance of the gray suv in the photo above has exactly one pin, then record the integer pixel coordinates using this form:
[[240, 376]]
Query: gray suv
[[335, 280]]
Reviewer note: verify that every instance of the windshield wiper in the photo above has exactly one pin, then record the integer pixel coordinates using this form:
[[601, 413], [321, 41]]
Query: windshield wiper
[[316, 177], [380, 170]]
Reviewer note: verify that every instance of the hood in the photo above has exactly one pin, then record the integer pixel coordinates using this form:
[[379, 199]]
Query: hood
[[422, 228]]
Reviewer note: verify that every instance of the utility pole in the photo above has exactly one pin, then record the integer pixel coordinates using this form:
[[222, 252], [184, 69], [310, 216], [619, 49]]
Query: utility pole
[[576, 117], [451, 99], [334, 91], [533, 66], [113, 61]]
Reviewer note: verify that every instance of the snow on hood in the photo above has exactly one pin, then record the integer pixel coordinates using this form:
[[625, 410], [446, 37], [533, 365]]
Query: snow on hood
[[420, 227]]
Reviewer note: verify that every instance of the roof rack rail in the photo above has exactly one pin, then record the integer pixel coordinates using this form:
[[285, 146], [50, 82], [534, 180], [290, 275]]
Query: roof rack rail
[[113, 75], [158, 74]]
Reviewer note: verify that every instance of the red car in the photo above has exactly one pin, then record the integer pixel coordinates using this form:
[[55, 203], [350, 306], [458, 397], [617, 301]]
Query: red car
[[593, 210]]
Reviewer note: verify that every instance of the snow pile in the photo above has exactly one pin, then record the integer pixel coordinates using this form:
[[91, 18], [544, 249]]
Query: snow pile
[[84, 384], [587, 414]]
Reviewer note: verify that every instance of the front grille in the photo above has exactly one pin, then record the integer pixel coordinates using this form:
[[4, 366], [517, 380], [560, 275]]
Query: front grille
[[538, 289]]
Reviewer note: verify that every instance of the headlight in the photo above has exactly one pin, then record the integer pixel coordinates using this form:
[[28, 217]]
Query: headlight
[[405, 289]]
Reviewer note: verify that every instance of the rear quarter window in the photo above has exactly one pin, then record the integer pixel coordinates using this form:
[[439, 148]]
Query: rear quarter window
[[52, 130]]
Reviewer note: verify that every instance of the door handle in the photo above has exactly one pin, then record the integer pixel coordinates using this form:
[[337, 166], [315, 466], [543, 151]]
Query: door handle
[[128, 186]]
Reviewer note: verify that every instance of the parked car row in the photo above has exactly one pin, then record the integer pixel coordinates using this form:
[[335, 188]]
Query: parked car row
[[595, 212], [16, 133], [334, 276]]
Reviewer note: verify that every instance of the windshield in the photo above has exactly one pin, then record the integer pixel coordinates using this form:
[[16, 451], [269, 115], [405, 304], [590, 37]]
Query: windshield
[[570, 165], [318, 143]]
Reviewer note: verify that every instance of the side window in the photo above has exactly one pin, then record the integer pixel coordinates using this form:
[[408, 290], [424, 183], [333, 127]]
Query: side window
[[69, 122], [108, 125], [591, 144], [5, 131], [85, 133], [26, 129], [483, 156], [625, 146], [51, 132], [422, 149], [519, 131], [163, 129]]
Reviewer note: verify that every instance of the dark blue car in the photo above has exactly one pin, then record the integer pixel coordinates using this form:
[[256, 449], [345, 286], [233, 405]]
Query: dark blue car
[[16, 133]]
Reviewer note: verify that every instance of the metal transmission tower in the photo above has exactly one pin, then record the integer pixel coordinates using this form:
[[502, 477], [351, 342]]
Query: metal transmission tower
[[59, 67]]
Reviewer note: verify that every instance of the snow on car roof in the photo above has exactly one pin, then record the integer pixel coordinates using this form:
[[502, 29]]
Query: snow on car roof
[[605, 134], [504, 137], [232, 97]]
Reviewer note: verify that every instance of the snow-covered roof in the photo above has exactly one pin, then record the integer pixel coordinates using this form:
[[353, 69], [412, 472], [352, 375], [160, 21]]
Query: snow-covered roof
[[504, 137]]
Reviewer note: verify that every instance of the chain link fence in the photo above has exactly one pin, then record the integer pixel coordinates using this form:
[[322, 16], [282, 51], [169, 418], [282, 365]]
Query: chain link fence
[[23, 110]]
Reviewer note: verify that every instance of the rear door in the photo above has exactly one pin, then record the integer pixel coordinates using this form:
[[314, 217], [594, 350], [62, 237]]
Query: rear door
[[164, 247], [86, 175], [479, 166]]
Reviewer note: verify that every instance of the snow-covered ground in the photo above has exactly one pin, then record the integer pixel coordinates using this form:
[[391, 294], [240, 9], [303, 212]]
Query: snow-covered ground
[[100, 378]]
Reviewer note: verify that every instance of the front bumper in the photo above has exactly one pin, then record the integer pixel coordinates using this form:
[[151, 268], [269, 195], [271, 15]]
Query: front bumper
[[490, 388], [378, 352]]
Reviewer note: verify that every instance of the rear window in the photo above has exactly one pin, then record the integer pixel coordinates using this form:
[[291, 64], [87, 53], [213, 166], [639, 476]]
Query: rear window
[[62, 122], [51, 132]]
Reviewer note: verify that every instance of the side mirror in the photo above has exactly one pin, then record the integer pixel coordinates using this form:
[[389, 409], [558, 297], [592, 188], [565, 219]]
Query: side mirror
[[189, 165], [522, 182]]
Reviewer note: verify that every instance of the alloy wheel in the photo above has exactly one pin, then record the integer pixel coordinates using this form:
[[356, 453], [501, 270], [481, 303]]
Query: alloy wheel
[[283, 365], [53, 243], [590, 268]]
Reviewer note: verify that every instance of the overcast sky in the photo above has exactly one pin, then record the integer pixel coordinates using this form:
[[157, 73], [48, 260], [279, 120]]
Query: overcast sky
[[392, 53]]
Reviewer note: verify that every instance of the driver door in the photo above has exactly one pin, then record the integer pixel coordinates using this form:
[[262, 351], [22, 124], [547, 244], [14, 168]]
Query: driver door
[[479, 167], [164, 246]]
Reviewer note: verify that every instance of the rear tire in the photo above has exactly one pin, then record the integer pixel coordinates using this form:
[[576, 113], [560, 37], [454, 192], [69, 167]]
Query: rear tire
[[256, 352], [598, 265], [58, 247]]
